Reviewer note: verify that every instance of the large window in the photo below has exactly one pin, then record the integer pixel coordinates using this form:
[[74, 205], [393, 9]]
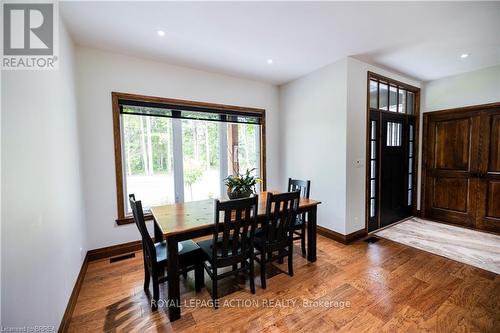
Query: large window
[[170, 151]]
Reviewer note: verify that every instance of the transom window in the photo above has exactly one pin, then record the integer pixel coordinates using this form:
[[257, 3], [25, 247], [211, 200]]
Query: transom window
[[170, 151], [391, 97]]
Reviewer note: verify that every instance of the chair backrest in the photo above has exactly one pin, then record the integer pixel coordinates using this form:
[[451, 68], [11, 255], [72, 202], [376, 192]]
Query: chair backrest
[[238, 226], [281, 212], [304, 186], [147, 243]]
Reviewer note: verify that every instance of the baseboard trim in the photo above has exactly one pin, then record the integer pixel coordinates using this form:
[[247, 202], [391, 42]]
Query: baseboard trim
[[96, 254], [115, 250], [63, 327], [341, 238]]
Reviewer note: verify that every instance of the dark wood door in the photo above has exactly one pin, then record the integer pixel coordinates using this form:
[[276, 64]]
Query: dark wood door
[[488, 189], [450, 168], [393, 186], [462, 167]]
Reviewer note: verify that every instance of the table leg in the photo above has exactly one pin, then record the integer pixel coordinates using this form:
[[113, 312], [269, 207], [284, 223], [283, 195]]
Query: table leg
[[158, 232], [311, 234], [174, 297]]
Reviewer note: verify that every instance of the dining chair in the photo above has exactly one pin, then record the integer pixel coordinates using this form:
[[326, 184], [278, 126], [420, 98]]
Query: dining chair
[[299, 227], [155, 256], [232, 241], [276, 233]]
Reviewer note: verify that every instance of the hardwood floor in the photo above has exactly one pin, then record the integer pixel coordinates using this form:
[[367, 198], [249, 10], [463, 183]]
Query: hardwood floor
[[361, 287]]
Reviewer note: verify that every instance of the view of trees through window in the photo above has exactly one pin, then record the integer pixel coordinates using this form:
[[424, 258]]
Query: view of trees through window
[[200, 149], [148, 157]]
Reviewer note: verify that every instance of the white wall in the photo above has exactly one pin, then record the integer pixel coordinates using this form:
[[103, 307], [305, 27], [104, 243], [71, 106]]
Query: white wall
[[357, 76], [472, 88], [324, 122], [42, 217], [99, 73], [314, 138]]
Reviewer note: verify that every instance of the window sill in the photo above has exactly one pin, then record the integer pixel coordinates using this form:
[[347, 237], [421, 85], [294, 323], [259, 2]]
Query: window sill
[[130, 219]]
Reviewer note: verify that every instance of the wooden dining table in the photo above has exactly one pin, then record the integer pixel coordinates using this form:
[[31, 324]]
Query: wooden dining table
[[178, 222]]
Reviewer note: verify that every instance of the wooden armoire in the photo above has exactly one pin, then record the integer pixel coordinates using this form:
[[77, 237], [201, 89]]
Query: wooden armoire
[[461, 167]]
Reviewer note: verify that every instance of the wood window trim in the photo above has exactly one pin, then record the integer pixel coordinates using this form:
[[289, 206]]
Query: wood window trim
[[416, 114], [122, 218]]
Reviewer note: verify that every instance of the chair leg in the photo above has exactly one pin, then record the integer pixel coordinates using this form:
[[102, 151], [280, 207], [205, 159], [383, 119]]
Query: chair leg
[[199, 276], [280, 259], [147, 277], [290, 258], [215, 294], [156, 293], [251, 274], [263, 269], [303, 239]]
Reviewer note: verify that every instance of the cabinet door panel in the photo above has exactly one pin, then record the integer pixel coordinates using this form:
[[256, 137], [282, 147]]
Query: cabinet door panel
[[493, 144], [451, 193], [488, 196], [449, 187], [452, 144], [488, 217]]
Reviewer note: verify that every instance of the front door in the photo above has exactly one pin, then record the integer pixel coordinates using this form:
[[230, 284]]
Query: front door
[[393, 187], [391, 145]]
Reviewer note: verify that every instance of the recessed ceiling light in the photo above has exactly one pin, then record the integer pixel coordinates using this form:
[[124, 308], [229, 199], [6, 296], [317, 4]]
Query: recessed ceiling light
[[464, 55], [160, 33], [269, 61]]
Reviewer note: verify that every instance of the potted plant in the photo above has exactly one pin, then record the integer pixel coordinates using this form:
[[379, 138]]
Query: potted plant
[[241, 186]]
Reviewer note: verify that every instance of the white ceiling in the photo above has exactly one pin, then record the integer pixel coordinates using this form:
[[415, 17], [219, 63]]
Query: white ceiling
[[423, 40]]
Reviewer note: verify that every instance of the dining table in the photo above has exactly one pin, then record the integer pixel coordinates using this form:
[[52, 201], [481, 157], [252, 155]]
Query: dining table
[[182, 221]]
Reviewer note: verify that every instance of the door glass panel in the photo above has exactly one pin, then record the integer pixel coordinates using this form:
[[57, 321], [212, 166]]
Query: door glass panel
[[374, 130], [200, 148], [393, 99], [393, 134], [410, 104], [410, 164], [402, 101], [148, 159], [372, 207], [373, 94], [372, 168], [373, 150], [383, 96], [409, 197], [410, 149]]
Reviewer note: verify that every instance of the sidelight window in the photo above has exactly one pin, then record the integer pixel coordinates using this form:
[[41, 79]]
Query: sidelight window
[[373, 167], [411, 141]]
